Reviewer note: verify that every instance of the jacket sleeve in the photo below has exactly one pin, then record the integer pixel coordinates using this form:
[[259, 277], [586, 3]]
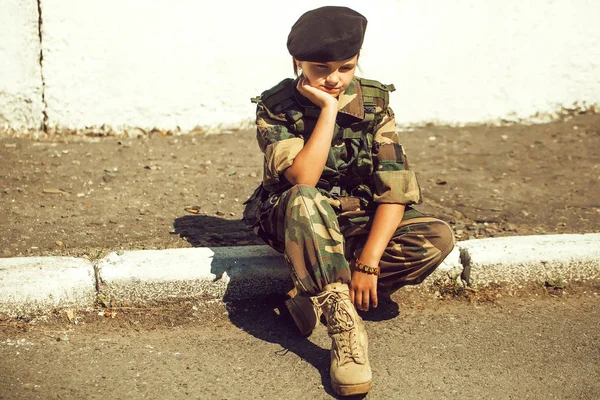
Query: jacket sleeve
[[279, 145], [394, 181]]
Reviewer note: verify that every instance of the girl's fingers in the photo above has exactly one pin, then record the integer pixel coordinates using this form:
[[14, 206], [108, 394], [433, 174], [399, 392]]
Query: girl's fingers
[[358, 300], [374, 299], [365, 302]]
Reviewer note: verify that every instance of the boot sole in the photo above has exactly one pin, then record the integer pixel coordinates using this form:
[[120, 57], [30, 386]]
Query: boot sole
[[351, 390], [305, 323]]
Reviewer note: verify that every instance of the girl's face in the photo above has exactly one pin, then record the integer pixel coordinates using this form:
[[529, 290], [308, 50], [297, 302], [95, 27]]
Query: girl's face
[[331, 77]]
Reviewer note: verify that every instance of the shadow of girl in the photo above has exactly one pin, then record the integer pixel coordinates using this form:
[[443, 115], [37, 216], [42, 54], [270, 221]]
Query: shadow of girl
[[271, 322]]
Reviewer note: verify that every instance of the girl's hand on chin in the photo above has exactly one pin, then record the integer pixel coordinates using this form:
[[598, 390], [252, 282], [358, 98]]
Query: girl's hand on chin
[[318, 97]]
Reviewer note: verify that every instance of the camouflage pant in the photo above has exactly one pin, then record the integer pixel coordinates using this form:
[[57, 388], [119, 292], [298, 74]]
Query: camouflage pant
[[318, 242]]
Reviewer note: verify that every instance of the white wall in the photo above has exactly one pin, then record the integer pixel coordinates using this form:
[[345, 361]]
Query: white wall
[[162, 63], [21, 106], [469, 60], [189, 63]]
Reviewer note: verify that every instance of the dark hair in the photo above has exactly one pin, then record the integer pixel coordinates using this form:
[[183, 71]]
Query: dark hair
[[296, 65]]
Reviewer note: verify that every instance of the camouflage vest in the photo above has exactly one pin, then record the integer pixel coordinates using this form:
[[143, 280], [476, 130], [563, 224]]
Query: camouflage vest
[[350, 161]]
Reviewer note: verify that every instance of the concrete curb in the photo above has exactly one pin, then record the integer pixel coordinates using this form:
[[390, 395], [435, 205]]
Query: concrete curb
[[31, 286], [155, 276], [516, 261], [38, 285]]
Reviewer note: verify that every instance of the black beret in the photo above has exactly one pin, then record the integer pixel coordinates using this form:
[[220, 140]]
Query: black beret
[[327, 34]]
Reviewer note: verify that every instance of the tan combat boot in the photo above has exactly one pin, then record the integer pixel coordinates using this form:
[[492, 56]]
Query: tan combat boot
[[350, 370], [303, 311]]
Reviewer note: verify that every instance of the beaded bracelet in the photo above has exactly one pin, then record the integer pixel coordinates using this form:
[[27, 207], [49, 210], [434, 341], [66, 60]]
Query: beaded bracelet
[[365, 269]]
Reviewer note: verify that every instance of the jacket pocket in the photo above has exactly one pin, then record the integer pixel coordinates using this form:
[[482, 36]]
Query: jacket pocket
[[254, 206]]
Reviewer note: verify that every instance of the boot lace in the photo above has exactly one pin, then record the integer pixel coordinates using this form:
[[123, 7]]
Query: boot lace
[[341, 325]]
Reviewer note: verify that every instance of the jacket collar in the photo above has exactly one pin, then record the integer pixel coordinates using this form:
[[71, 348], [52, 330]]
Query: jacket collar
[[351, 101]]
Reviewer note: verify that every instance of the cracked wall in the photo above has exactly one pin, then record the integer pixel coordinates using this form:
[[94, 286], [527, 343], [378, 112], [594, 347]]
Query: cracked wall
[[187, 64], [21, 88]]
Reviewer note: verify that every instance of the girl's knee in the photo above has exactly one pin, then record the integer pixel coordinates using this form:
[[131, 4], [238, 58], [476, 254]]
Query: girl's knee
[[441, 241], [446, 238], [438, 240]]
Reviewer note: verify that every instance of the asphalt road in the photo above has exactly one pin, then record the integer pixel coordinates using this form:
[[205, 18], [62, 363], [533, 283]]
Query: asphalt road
[[533, 347]]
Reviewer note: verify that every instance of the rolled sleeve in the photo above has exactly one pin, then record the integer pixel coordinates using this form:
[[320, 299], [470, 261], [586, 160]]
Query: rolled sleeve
[[399, 187], [394, 181], [279, 145], [278, 157]]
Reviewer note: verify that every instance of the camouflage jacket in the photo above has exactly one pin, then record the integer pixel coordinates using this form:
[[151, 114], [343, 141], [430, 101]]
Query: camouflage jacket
[[366, 159]]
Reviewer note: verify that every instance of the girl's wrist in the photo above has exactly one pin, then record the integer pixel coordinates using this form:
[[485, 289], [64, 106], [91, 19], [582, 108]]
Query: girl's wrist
[[330, 108], [366, 258], [368, 269]]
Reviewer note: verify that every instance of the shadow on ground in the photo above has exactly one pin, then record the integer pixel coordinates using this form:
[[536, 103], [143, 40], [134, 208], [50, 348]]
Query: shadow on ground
[[269, 321], [207, 231], [264, 317]]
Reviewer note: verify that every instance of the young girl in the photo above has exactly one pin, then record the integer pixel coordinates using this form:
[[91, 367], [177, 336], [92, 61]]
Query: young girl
[[337, 193]]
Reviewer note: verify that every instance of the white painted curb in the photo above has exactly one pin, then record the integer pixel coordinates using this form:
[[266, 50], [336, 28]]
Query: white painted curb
[[146, 277], [450, 268], [151, 276], [38, 285], [517, 260]]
